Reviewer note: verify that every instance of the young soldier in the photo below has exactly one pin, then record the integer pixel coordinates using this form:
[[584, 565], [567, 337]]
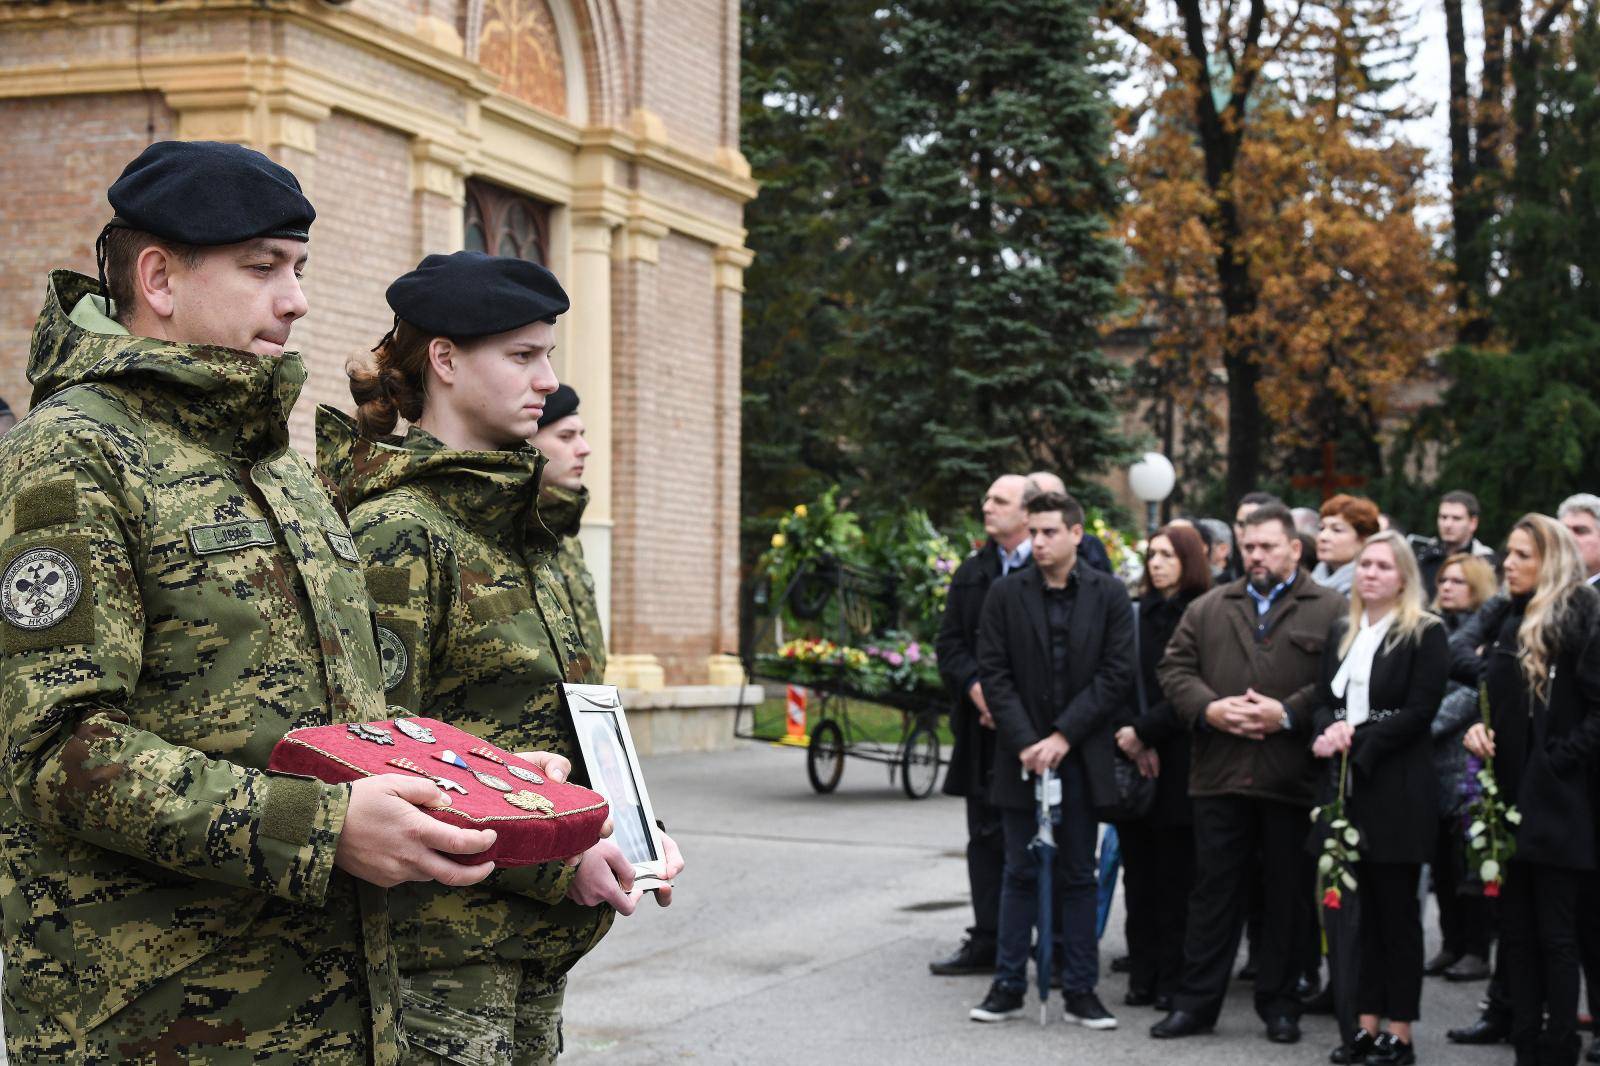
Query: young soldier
[[562, 501], [178, 592], [475, 630]]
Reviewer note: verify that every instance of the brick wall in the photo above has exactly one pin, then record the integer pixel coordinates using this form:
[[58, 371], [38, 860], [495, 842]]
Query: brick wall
[[685, 71], [54, 191], [364, 238]]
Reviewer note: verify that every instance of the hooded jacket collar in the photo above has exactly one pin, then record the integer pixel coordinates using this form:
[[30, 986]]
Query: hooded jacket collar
[[561, 510], [492, 493], [236, 403]]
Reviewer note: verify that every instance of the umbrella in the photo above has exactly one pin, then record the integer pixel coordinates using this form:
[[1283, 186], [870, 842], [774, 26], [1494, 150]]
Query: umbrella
[[1043, 846]]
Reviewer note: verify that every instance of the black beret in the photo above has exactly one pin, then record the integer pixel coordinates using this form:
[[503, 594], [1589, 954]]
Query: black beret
[[209, 193], [558, 405], [471, 294]]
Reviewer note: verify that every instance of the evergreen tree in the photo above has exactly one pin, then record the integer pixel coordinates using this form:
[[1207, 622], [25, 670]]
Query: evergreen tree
[[1520, 420], [980, 351]]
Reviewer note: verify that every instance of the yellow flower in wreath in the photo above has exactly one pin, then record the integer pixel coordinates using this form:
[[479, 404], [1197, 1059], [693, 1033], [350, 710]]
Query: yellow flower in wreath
[[778, 540], [800, 510]]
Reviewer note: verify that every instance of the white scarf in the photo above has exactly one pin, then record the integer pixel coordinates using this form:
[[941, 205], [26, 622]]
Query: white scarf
[[1354, 680]]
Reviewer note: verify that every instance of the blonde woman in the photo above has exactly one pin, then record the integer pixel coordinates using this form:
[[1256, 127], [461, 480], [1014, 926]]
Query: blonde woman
[[1542, 672], [1465, 583], [1384, 672]]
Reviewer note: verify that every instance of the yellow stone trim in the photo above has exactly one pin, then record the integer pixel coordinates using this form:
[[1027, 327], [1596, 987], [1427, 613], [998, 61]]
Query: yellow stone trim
[[438, 168], [728, 266], [641, 672], [641, 240]]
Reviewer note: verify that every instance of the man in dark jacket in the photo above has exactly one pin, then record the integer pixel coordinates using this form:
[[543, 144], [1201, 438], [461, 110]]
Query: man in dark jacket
[[972, 755], [1242, 670], [1055, 651]]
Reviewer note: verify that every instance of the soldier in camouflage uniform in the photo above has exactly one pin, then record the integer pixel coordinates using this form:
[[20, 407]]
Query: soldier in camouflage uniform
[[563, 442], [178, 592], [475, 628]]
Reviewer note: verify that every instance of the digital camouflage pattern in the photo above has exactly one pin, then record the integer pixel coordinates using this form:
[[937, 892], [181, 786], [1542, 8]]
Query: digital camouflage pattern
[[164, 898], [561, 510], [478, 632]]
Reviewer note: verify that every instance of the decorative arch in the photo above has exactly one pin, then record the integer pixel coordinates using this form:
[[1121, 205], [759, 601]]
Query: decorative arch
[[584, 40], [521, 42]]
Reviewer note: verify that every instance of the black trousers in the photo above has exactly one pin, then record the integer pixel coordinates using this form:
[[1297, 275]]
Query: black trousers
[[1464, 918], [986, 861], [1589, 942], [1539, 929], [1157, 876], [1237, 839], [1390, 984]]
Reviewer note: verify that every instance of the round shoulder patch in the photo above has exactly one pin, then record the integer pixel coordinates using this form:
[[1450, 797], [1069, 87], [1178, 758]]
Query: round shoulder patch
[[396, 659], [41, 587]]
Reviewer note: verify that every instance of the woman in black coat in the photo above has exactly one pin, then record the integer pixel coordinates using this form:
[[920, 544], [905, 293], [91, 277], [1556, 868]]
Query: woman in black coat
[[1383, 674], [1542, 672], [1158, 849]]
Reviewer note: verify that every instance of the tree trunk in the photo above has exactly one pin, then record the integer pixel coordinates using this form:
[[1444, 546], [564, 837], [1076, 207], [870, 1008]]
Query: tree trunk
[[1466, 209]]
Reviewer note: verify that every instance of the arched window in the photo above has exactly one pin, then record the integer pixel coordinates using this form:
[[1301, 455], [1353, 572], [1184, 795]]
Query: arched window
[[501, 222]]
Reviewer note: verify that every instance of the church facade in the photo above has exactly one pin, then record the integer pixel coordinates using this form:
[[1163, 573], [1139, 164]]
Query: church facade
[[599, 137]]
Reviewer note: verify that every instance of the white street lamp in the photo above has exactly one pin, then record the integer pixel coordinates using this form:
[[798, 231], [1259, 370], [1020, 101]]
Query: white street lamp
[[1152, 479]]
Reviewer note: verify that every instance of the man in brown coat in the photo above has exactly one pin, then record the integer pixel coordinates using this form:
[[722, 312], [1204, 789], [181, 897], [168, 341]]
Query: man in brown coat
[[1241, 670]]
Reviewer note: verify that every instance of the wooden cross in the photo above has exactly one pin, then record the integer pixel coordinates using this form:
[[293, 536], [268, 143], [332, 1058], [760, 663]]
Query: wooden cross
[[1329, 481]]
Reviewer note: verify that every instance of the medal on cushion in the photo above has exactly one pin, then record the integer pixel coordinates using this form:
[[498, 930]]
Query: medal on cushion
[[530, 801], [443, 782], [524, 774], [420, 733], [448, 756], [375, 734], [498, 784], [487, 754]]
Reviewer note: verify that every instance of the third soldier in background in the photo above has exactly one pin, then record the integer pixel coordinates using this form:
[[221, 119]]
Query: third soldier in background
[[562, 440]]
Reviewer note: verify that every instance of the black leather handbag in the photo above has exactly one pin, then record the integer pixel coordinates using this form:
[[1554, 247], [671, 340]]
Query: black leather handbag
[[1136, 794]]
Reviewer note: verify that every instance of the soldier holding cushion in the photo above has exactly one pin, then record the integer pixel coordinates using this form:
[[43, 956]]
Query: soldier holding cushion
[[178, 592]]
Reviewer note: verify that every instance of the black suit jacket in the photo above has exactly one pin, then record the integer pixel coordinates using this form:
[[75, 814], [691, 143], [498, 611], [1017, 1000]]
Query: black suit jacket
[[1015, 668], [972, 753], [1393, 791]]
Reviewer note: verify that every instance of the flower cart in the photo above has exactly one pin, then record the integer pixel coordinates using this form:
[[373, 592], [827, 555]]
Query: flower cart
[[834, 628]]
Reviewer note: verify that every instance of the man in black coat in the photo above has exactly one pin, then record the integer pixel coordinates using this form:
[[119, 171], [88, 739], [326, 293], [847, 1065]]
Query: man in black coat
[[972, 755], [1055, 651]]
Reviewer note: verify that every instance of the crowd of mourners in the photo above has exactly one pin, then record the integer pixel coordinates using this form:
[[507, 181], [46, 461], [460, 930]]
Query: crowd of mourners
[[1320, 701]]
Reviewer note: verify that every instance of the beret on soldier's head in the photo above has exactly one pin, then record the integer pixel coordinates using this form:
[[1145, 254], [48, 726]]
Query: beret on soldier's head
[[558, 405], [209, 193], [471, 294]]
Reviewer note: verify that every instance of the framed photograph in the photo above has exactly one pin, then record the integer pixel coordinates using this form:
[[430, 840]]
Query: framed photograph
[[613, 768]]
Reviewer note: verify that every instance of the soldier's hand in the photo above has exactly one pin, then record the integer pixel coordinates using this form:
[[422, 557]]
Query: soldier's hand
[[554, 767], [669, 848], [387, 840], [604, 876]]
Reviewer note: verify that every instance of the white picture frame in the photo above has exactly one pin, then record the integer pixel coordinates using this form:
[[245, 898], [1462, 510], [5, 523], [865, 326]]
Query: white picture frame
[[612, 766]]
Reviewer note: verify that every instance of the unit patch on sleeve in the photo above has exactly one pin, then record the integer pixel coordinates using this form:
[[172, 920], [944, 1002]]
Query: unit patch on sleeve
[[42, 586], [396, 659]]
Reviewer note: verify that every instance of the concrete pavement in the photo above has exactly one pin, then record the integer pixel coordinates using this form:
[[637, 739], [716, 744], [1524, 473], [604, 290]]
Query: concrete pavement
[[803, 928]]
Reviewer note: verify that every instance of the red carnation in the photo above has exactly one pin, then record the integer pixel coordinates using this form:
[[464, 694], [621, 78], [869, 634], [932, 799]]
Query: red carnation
[[1492, 889], [1330, 899]]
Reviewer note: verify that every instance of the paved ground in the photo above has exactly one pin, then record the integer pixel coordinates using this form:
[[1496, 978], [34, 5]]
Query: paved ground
[[803, 929]]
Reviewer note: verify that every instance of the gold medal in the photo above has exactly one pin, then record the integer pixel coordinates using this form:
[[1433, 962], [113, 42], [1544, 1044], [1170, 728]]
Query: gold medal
[[530, 801]]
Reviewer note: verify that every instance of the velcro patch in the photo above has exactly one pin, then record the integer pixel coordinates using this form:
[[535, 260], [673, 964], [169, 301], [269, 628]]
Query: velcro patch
[[343, 545], [49, 504], [42, 595], [499, 605], [388, 584], [230, 536]]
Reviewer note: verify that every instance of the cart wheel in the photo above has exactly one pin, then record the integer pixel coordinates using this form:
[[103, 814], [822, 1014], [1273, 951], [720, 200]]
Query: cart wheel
[[825, 756], [919, 761]]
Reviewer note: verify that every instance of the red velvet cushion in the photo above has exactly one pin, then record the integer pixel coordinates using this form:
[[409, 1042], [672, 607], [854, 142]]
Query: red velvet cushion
[[331, 753]]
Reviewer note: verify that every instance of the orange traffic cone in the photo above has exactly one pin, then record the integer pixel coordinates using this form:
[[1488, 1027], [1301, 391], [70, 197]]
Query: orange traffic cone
[[795, 717]]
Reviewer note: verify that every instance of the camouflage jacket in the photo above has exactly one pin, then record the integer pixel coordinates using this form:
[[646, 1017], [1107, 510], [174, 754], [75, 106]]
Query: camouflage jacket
[[562, 513], [179, 592], [475, 629]]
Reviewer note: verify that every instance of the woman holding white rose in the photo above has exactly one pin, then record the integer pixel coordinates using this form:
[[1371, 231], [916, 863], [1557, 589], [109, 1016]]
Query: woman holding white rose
[[1384, 672], [1542, 674]]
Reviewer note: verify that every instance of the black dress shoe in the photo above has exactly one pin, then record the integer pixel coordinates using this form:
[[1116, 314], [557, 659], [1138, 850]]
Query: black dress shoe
[[1390, 1050], [1180, 1023], [1440, 963], [1492, 1028], [1163, 1001], [1283, 1030], [1468, 968], [1139, 997], [1308, 985], [1356, 1051], [970, 958], [1319, 1003]]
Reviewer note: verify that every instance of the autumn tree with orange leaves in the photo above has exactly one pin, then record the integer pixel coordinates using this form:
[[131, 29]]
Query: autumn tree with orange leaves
[[1271, 221]]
